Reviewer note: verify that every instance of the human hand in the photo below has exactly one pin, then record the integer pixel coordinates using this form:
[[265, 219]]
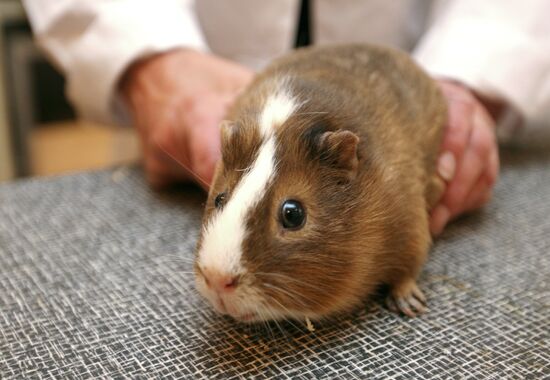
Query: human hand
[[177, 100], [468, 160]]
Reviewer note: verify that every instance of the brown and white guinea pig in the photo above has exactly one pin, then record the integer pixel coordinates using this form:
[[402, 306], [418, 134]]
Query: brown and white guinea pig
[[324, 188]]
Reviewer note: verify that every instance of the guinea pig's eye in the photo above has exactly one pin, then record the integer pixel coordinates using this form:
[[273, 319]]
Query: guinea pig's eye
[[220, 200], [293, 214]]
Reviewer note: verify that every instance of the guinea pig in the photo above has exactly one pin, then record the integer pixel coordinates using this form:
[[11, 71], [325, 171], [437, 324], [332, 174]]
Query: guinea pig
[[323, 191]]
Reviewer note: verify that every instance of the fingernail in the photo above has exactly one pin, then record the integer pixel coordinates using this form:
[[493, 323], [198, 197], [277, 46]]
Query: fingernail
[[446, 166], [440, 217]]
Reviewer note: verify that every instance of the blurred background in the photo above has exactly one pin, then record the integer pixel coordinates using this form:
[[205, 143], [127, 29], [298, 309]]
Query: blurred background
[[39, 133]]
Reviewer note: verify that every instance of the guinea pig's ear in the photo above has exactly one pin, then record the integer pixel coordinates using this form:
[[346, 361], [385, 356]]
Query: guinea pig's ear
[[339, 148]]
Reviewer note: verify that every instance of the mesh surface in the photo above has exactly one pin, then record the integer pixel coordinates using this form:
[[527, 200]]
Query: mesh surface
[[95, 282]]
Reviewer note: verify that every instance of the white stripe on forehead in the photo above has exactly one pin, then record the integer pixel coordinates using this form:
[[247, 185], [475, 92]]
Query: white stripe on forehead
[[223, 236], [277, 109]]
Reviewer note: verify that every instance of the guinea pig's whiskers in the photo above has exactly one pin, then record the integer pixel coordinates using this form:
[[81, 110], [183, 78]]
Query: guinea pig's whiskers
[[287, 278], [274, 319], [175, 258], [287, 311], [291, 295], [284, 333], [264, 322], [244, 169], [197, 176], [311, 113], [265, 318], [268, 326]]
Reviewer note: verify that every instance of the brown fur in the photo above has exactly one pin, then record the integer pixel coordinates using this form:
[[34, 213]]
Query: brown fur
[[367, 199]]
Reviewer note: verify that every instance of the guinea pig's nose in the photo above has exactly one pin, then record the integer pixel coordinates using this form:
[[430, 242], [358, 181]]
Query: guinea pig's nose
[[220, 282]]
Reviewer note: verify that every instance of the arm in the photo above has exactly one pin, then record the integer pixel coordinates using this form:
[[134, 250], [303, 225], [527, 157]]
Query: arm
[[144, 60], [499, 48], [492, 59], [93, 42]]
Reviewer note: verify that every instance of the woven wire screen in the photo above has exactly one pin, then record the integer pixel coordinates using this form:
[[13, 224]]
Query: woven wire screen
[[95, 282]]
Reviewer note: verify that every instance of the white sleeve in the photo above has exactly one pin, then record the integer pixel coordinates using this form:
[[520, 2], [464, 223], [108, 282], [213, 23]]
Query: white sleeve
[[93, 42], [498, 47]]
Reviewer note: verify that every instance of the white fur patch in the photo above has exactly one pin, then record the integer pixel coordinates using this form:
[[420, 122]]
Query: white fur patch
[[223, 236], [277, 109]]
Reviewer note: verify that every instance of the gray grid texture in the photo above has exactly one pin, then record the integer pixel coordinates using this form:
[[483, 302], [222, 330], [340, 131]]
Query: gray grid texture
[[96, 282]]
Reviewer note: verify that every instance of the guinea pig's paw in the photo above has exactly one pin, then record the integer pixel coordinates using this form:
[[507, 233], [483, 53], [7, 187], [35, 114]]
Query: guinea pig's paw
[[407, 298]]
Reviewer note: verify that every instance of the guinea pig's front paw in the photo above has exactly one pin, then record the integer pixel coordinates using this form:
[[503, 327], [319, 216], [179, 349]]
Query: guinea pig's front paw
[[407, 298]]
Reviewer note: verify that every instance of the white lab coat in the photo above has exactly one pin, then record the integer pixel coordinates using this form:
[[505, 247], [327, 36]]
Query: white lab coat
[[499, 47]]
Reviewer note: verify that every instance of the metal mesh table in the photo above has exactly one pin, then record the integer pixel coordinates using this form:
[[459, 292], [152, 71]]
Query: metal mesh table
[[96, 282]]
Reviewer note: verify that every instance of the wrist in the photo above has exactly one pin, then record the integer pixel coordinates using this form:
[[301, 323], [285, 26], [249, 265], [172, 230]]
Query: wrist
[[497, 107], [507, 118], [137, 77]]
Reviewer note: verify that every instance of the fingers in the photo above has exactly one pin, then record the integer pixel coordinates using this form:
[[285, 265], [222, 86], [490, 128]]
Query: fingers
[[455, 141], [446, 166], [468, 172], [205, 153], [162, 165], [184, 145], [177, 100], [479, 195], [439, 218], [493, 167], [160, 176], [469, 157], [203, 139], [458, 129], [473, 164], [481, 192]]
